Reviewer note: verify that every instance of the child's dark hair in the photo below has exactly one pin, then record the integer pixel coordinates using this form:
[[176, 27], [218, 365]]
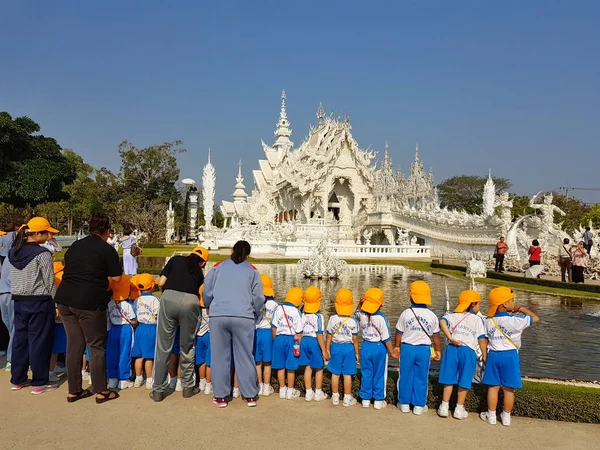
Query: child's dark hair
[[99, 223], [241, 250], [20, 238], [127, 231], [194, 262], [535, 243]]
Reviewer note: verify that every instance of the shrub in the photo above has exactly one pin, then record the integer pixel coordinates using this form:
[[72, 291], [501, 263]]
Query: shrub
[[153, 245]]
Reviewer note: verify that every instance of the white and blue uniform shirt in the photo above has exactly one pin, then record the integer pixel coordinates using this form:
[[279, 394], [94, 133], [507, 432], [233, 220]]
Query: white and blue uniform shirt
[[409, 327], [465, 327], [342, 329], [121, 313], [511, 326], [294, 317], [374, 327], [313, 325], [146, 307], [203, 322], [266, 314]]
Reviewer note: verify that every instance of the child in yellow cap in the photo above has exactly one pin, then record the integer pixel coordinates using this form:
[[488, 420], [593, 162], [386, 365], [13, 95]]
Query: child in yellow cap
[[263, 338], [287, 325], [203, 348], [119, 340], [313, 345], [60, 337], [377, 342], [464, 330], [416, 328], [503, 368], [146, 306], [342, 347]]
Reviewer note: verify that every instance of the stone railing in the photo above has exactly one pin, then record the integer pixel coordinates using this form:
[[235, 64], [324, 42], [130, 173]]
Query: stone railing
[[304, 249]]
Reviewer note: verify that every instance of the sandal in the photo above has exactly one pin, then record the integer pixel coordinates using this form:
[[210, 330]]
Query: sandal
[[107, 396], [83, 394]]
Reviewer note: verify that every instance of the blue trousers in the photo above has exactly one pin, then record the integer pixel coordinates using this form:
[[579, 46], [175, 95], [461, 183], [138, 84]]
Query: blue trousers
[[373, 366], [32, 342], [7, 306], [414, 374], [119, 344]]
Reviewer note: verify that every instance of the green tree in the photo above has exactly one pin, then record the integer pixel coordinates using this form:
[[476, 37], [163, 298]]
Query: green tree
[[465, 192], [32, 168], [574, 210], [593, 215]]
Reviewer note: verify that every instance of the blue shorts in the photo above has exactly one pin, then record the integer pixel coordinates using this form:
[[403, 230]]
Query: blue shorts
[[263, 345], [203, 349], [60, 338], [310, 353], [458, 366], [503, 369], [144, 342], [176, 350], [283, 353], [343, 359]]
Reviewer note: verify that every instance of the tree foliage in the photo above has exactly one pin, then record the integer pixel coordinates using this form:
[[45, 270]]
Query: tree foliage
[[593, 215], [33, 169], [465, 192]]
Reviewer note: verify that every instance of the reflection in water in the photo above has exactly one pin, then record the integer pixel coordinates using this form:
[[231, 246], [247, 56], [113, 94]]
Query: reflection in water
[[563, 345]]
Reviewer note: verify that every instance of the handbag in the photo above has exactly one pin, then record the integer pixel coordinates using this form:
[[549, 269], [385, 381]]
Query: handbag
[[136, 250], [431, 347]]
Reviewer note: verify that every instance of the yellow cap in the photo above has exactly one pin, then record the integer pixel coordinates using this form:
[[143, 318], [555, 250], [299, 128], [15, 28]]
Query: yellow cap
[[344, 304], [38, 224], [201, 252], [312, 300], [144, 282], [294, 296], [465, 299], [420, 293], [498, 296], [58, 278], [58, 267], [122, 289], [2, 233], [267, 283], [200, 294], [372, 300]]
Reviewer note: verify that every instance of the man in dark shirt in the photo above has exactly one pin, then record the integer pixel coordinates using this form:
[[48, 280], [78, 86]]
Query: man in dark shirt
[[82, 299]]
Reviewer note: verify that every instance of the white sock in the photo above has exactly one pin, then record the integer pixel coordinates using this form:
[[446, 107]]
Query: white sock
[[335, 394], [202, 380], [492, 414], [460, 406], [445, 404], [319, 391], [266, 385], [309, 391], [208, 383], [83, 372], [347, 396], [505, 413], [149, 380], [140, 378]]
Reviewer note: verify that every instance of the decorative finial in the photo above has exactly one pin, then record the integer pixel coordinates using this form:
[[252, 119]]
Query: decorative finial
[[240, 169], [386, 147], [283, 95], [209, 155], [320, 112], [490, 174]]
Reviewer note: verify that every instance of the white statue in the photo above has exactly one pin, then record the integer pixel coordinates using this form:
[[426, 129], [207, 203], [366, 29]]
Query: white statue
[[208, 184], [505, 204], [489, 197], [413, 240], [322, 263], [170, 234]]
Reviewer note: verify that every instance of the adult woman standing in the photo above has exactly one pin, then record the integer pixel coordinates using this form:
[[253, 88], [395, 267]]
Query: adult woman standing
[[32, 289], [233, 294], [180, 281], [82, 300], [535, 253], [579, 261], [129, 243]]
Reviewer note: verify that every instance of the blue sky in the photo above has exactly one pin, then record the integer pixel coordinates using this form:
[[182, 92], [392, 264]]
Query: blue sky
[[509, 85]]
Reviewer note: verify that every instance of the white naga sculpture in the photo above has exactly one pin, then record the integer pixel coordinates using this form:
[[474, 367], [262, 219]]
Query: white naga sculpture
[[208, 184], [322, 263]]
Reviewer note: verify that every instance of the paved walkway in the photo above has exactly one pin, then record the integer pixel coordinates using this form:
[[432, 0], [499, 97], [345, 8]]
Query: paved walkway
[[47, 421]]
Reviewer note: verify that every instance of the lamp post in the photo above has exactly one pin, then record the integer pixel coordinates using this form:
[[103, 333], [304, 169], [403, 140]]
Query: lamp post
[[190, 213]]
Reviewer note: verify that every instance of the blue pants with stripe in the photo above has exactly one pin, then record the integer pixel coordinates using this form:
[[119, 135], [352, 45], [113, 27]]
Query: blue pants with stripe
[[373, 366], [119, 344], [414, 374]]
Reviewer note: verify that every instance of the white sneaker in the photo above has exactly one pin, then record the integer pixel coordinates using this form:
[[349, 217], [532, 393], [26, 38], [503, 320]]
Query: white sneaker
[[52, 377], [113, 383], [267, 390], [460, 413], [310, 395], [380, 404], [366, 403], [283, 392], [335, 399], [292, 394], [139, 382], [85, 376], [349, 401], [208, 389], [442, 411], [149, 382], [8, 367], [505, 418], [418, 410], [320, 396], [178, 385], [260, 389], [404, 408], [486, 417], [202, 384], [59, 370], [236, 392], [125, 384]]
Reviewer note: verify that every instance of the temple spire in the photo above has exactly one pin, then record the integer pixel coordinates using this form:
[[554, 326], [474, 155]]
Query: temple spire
[[209, 156], [283, 132], [239, 194], [320, 113]]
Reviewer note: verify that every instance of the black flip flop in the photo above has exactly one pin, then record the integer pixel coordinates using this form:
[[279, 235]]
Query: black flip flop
[[83, 394], [107, 397]]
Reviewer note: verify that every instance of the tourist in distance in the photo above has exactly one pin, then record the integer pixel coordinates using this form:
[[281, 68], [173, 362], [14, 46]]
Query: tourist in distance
[[501, 249], [203, 348], [32, 290], [342, 347], [564, 260], [52, 244], [180, 281], [312, 347], [588, 242], [417, 328], [131, 250], [535, 254], [579, 261], [377, 342], [233, 294], [503, 369], [465, 332], [7, 237], [263, 338]]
